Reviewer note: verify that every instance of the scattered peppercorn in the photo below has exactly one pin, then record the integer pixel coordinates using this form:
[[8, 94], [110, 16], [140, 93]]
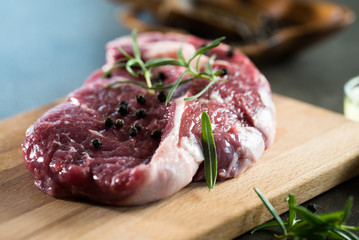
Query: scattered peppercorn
[[138, 126], [108, 75], [108, 121], [123, 108], [133, 132], [161, 76], [158, 82], [96, 143], [156, 133], [119, 123], [224, 71], [124, 103], [312, 207], [141, 99], [141, 113], [230, 52], [161, 96]]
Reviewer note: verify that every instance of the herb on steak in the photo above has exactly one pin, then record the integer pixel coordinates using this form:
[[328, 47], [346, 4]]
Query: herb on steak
[[209, 151], [310, 226], [131, 63]]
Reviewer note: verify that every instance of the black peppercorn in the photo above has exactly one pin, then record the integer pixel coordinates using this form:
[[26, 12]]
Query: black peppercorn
[[96, 143], [224, 71], [133, 132], [119, 123], [161, 96], [124, 103], [123, 108], [312, 207], [108, 75], [230, 52], [141, 113], [141, 99], [156, 133], [161, 76], [138, 126], [108, 121]]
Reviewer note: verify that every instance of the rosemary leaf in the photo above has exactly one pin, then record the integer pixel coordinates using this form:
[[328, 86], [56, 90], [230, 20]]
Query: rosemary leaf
[[209, 69], [129, 64], [162, 62], [292, 213], [169, 96], [308, 216], [264, 225], [128, 56], [352, 235], [271, 210], [347, 209], [204, 49], [136, 49], [201, 92], [209, 151], [128, 82], [180, 56]]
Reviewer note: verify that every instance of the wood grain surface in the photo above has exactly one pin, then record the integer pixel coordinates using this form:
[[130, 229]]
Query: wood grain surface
[[314, 151]]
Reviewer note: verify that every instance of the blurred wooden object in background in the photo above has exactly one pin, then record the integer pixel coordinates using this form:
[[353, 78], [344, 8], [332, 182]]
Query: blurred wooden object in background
[[264, 30]]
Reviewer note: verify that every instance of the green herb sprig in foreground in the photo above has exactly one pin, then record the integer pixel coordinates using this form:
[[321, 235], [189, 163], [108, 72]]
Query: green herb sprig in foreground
[[136, 67], [209, 151], [310, 226]]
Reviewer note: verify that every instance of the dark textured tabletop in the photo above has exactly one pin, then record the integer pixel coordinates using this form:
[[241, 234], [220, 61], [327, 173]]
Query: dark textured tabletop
[[48, 48]]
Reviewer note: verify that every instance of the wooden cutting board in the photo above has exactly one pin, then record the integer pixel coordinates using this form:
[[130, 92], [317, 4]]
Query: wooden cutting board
[[314, 151]]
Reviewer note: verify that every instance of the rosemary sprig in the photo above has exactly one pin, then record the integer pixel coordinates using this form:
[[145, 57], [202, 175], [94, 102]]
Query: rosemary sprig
[[131, 63], [310, 225], [209, 151]]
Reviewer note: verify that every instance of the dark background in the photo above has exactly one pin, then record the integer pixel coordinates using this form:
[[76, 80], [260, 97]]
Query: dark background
[[48, 48]]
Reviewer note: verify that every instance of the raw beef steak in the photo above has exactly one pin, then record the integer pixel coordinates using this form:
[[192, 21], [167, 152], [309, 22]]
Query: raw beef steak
[[124, 146]]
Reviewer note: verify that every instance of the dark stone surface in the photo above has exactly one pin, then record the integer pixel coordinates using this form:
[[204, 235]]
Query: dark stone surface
[[48, 48]]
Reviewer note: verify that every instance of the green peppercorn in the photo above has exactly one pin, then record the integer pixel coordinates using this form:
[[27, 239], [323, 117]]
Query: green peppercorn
[[108, 121], [161, 96], [133, 132], [141, 113], [96, 143], [119, 123], [156, 134], [141, 99]]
